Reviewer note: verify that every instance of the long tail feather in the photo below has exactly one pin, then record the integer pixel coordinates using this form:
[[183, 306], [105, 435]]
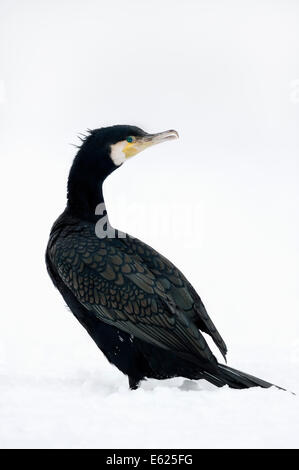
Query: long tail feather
[[225, 375]]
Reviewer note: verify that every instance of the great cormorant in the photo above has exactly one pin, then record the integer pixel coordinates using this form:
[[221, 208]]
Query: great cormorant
[[135, 304]]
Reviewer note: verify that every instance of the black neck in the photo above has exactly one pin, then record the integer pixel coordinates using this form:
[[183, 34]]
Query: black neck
[[85, 187]]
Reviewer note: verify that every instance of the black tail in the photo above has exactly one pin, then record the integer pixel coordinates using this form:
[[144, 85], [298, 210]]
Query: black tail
[[234, 378]]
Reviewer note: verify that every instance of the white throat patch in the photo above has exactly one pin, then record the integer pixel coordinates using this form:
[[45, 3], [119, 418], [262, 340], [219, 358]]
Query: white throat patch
[[117, 155]]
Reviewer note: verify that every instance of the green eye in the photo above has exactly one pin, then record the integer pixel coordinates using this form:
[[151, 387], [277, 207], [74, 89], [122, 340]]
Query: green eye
[[130, 139]]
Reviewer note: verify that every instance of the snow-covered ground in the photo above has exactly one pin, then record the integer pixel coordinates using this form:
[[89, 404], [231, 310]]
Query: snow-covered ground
[[70, 400]]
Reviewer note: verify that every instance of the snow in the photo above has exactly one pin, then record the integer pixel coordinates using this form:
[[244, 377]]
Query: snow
[[80, 401]]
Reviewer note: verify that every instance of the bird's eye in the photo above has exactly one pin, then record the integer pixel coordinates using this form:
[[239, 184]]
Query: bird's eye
[[129, 139]]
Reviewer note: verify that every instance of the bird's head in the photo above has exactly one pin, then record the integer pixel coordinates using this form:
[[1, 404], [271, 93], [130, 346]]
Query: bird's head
[[129, 140], [110, 147], [103, 151]]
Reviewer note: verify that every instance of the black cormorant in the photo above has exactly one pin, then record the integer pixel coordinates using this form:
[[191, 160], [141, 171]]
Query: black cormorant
[[135, 304]]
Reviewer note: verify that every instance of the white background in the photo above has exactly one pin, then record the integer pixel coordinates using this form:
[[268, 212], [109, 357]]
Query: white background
[[221, 203]]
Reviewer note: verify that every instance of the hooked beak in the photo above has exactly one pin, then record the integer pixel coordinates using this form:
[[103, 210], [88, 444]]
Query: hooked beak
[[152, 139], [141, 143]]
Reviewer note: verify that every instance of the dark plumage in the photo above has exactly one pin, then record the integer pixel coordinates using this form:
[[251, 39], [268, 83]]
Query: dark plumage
[[136, 305]]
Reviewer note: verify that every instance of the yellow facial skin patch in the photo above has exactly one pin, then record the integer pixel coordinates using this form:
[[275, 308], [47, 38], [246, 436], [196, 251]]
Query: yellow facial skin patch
[[125, 149], [132, 148]]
